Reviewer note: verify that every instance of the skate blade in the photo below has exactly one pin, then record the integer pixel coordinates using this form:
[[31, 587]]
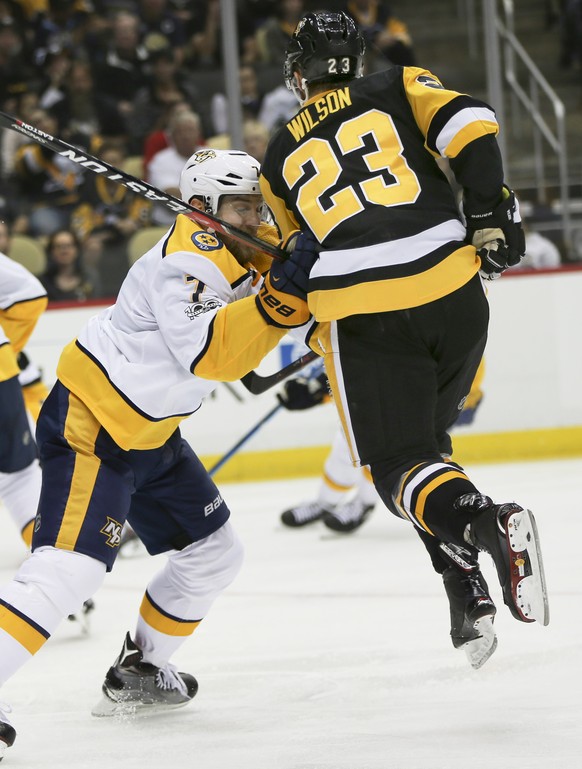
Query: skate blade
[[531, 595], [480, 649], [107, 708]]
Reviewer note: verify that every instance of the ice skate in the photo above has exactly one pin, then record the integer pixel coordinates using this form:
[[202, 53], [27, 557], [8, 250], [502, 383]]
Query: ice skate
[[135, 687], [347, 518], [83, 617], [7, 731], [472, 609], [509, 534], [303, 515]]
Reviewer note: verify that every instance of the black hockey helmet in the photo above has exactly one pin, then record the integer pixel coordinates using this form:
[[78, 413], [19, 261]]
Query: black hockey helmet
[[325, 47]]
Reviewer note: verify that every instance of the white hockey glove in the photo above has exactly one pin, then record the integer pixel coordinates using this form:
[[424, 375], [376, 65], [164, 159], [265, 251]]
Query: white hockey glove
[[497, 235]]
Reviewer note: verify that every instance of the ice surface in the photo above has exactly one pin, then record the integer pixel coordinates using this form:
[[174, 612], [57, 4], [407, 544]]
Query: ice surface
[[328, 652]]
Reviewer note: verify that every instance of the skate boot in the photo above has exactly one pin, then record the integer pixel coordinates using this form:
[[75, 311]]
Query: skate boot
[[83, 617], [303, 514], [472, 609], [509, 534], [347, 518], [7, 731], [133, 686]]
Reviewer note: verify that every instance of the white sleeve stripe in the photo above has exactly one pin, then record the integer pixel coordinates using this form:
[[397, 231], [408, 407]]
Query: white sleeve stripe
[[459, 121]]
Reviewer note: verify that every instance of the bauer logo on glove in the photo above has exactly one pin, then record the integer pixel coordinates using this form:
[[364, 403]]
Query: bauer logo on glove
[[497, 235]]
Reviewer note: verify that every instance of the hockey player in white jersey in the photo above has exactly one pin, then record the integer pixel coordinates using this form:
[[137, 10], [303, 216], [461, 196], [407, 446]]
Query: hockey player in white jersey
[[188, 313]]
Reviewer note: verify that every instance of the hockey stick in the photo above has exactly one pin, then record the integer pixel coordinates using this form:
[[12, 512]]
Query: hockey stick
[[224, 459], [149, 192], [257, 384]]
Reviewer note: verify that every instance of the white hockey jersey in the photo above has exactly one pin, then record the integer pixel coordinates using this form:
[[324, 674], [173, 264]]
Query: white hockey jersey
[[22, 301], [176, 329]]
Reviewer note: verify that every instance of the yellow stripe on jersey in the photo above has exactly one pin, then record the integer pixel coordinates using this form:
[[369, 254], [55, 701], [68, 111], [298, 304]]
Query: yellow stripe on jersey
[[188, 233], [19, 320], [240, 340], [333, 485], [128, 428], [447, 276], [418, 511], [8, 366], [468, 134], [469, 126], [26, 533], [164, 623], [21, 629], [285, 219], [81, 430]]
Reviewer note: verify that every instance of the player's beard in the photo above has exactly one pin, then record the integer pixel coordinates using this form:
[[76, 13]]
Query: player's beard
[[242, 252]]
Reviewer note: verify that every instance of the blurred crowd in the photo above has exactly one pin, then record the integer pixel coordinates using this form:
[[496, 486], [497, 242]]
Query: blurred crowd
[[140, 84]]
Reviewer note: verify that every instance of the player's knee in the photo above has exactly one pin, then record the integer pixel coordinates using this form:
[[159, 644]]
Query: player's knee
[[215, 561], [66, 578]]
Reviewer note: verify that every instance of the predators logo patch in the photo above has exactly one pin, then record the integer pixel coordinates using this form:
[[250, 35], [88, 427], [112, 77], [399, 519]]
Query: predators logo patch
[[112, 531], [205, 241]]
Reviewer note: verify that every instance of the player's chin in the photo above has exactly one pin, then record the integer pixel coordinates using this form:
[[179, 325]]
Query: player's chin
[[242, 252]]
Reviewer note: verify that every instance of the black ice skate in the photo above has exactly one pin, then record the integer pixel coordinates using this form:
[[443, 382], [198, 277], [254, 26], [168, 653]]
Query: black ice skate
[[7, 731], [303, 515], [509, 534], [472, 609], [83, 617], [347, 518], [134, 687]]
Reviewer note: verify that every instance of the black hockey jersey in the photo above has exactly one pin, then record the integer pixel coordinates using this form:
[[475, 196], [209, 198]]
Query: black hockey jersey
[[357, 166]]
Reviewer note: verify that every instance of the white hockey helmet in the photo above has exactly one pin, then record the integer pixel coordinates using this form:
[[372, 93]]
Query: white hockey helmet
[[210, 174]]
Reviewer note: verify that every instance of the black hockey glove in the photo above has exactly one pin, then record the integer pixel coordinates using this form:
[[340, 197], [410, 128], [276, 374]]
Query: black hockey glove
[[304, 393], [497, 235], [282, 298]]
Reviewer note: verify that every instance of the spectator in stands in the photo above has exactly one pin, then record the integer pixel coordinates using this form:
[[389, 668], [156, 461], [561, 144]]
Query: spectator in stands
[[540, 252], [47, 182], [16, 70], [120, 67], [65, 278], [203, 49], [60, 24], [251, 100], [384, 33], [255, 138], [159, 20], [166, 85], [159, 138], [272, 36], [24, 105], [277, 107], [166, 166], [85, 110], [105, 220]]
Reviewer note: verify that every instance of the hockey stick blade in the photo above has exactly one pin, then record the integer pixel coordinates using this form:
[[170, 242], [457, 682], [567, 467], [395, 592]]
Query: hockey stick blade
[[146, 190], [257, 384]]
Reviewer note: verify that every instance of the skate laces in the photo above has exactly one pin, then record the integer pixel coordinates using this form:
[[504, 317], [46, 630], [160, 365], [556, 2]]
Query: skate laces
[[351, 511], [306, 511], [169, 678]]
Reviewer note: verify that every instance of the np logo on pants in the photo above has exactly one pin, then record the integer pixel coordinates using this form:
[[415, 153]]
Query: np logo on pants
[[112, 531]]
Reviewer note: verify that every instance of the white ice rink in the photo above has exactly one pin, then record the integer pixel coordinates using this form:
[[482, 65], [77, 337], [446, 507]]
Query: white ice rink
[[328, 652]]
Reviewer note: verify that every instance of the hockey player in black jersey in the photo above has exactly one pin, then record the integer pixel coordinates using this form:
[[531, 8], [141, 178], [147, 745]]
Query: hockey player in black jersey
[[397, 289]]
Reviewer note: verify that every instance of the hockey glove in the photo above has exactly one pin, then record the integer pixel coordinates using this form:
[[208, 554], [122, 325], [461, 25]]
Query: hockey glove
[[282, 298], [497, 235], [304, 393]]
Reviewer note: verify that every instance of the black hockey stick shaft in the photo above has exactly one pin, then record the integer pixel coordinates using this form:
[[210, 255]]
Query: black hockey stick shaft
[[257, 384], [232, 451], [146, 190]]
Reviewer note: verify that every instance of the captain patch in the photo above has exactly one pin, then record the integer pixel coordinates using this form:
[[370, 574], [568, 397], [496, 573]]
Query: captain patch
[[205, 241]]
